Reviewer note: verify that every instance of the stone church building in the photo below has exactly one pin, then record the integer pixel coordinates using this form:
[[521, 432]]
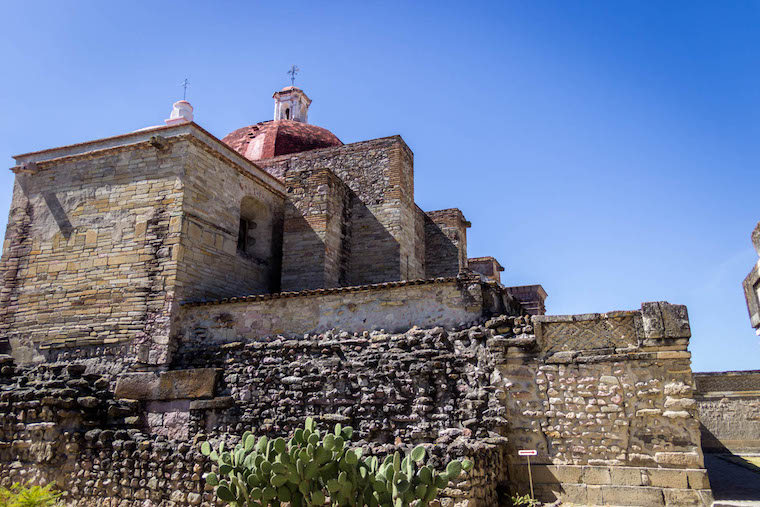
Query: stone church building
[[111, 233], [165, 286]]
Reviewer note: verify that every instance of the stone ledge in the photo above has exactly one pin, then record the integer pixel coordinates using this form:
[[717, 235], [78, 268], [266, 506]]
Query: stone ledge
[[167, 385], [597, 475], [333, 290], [639, 496]]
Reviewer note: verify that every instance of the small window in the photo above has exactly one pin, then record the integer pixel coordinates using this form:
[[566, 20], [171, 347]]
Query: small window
[[287, 113], [246, 237], [242, 244]]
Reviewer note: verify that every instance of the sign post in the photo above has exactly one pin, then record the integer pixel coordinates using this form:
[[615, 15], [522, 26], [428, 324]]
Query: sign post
[[528, 453]]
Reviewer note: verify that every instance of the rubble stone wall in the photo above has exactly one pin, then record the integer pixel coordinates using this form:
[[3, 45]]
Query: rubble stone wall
[[728, 404], [607, 402], [111, 438]]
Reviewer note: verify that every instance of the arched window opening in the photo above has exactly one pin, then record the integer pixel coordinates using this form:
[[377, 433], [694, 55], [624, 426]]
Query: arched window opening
[[287, 113]]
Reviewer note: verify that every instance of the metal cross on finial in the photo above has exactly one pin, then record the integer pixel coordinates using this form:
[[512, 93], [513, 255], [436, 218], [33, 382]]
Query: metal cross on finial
[[292, 73], [184, 85]]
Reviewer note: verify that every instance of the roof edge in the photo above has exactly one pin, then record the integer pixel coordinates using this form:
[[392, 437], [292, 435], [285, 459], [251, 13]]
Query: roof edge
[[189, 128], [322, 292]]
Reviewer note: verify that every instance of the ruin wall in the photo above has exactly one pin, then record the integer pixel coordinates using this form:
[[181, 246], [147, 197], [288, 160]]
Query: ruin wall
[[605, 399], [728, 404], [607, 402]]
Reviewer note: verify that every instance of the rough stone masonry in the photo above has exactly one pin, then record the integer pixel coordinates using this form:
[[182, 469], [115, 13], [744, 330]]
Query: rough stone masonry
[[163, 287]]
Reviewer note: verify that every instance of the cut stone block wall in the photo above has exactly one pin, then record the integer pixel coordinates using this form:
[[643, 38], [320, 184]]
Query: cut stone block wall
[[445, 242], [105, 238], [487, 266], [90, 252], [728, 404], [531, 297], [379, 175], [210, 266], [316, 251]]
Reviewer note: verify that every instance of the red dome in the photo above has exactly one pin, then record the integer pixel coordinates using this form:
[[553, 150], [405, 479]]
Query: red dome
[[282, 137]]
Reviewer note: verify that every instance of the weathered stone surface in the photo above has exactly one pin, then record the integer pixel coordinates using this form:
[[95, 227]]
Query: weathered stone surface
[[213, 404], [680, 459], [167, 385], [728, 405], [393, 307], [664, 320], [629, 495], [598, 420]]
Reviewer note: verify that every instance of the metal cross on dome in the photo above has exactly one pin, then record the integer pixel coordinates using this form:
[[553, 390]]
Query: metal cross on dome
[[184, 85], [292, 73]]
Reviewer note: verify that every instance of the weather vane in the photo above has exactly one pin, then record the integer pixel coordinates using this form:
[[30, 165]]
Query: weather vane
[[184, 85], [292, 73]]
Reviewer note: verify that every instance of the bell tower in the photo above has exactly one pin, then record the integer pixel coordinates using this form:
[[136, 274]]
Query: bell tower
[[291, 103]]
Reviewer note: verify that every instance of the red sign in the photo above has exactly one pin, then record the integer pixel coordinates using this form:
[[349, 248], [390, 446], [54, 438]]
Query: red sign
[[527, 452]]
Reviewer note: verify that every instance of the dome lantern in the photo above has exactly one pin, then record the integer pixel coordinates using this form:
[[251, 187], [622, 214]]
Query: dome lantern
[[291, 103]]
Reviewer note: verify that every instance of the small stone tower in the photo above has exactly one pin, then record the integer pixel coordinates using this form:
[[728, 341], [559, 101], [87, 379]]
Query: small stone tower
[[291, 103]]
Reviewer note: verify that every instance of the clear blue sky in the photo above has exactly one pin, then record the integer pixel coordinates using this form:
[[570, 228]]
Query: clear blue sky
[[607, 150]]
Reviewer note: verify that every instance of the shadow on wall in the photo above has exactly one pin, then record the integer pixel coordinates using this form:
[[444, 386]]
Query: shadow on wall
[[711, 443], [441, 254], [374, 254], [732, 477], [323, 251]]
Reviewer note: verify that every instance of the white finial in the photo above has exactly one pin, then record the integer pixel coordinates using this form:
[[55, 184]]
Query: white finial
[[181, 113]]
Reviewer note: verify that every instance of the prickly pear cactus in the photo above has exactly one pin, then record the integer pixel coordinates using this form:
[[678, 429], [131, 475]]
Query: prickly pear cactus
[[314, 468]]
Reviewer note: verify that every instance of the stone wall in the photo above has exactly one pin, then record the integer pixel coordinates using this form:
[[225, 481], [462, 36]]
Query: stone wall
[[316, 252], [106, 237], [445, 242], [531, 297], [113, 436], [380, 177], [210, 264], [392, 306], [728, 404], [751, 285], [90, 248], [607, 401], [487, 266]]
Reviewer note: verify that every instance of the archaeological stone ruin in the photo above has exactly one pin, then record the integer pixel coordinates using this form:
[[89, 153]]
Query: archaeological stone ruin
[[164, 287]]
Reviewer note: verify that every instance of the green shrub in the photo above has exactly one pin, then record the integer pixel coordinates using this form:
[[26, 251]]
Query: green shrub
[[520, 500], [26, 495], [312, 467]]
